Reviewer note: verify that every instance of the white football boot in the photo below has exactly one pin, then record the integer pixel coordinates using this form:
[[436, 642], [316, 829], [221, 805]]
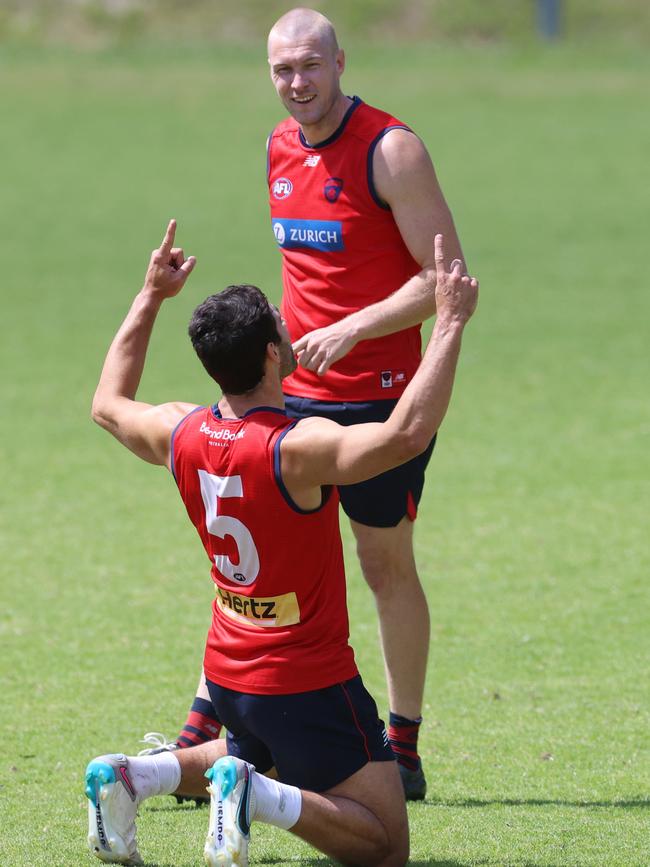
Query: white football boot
[[231, 790], [112, 807]]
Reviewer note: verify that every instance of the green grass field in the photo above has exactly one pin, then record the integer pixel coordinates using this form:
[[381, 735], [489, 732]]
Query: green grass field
[[533, 535]]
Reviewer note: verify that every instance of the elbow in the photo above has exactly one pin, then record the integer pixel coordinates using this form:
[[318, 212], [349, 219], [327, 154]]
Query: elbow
[[429, 299], [412, 441], [96, 415], [98, 412], [419, 440]]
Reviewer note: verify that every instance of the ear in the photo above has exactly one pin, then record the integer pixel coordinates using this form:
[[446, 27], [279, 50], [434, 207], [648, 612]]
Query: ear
[[340, 61], [273, 351]]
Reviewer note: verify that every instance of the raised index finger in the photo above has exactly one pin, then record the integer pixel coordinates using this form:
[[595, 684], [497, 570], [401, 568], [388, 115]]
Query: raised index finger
[[439, 253], [168, 240]]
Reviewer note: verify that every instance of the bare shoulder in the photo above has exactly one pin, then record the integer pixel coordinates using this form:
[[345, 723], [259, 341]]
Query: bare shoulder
[[400, 152], [173, 412], [308, 432], [310, 441], [406, 181], [157, 424], [305, 454], [146, 429], [161, 423]]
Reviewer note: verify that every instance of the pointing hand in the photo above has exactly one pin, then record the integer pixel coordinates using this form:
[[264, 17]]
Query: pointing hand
[[456, 293], [168, 268]]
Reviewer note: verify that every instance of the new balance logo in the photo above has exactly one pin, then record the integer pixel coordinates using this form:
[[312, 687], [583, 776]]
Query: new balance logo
[[312, 160]]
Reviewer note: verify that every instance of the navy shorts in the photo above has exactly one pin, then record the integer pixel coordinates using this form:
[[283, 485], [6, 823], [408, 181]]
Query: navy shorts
[[386, 499], [315, 740]]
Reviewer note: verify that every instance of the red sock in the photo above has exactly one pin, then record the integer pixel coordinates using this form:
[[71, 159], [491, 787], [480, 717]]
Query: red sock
[[202, 725], [403, 739]]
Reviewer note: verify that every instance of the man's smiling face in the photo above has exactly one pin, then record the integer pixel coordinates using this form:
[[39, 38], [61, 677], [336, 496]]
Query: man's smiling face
[[306, 75]]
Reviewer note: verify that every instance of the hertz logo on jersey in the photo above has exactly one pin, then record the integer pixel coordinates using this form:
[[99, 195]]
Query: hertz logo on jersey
[[324, 235], [280, 610]]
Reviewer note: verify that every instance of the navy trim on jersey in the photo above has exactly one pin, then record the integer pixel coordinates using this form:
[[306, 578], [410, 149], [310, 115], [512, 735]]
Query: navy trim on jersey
[[277, 471], [171, 453], [371, 152], [356, 102], [265, 409], [216, 412], [268, 157]]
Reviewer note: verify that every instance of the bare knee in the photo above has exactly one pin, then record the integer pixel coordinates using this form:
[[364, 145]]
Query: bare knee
[[383, 831], [387, 572], [386, 557], [387, 853], [399, 848], [397, 854], [377, 568]]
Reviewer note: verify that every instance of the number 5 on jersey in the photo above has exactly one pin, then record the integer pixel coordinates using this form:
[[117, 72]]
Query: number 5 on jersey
[[213, 489]]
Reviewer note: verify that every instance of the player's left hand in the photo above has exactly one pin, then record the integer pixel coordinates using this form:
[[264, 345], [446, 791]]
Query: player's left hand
[[168, 268], [320, 349]]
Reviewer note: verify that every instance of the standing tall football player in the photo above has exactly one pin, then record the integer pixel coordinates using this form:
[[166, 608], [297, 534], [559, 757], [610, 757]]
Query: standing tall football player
[[354, 204]]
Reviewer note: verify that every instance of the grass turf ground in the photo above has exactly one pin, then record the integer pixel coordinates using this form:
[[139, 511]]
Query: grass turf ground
[[532, 538]]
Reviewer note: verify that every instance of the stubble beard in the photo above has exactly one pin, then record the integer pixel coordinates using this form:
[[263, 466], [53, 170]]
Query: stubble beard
[[288, 360], [321, 116]]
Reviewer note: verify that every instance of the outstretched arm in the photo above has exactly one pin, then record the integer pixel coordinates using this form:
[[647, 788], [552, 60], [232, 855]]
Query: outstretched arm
[[318, 451], [406, 180], [141, 427]]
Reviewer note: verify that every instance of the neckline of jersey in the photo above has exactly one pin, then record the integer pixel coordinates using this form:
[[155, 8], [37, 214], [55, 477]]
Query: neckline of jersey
[[216, 412], [356, 102]]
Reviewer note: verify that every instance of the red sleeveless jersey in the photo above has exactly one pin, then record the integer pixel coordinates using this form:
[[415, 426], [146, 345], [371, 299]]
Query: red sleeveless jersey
[[341, 251], [279, 621]]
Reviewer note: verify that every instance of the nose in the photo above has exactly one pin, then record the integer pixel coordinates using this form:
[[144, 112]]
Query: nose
[[299, 81]]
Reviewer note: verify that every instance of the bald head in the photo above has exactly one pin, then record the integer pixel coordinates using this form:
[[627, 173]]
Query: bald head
[[306, 65], [300, 24]]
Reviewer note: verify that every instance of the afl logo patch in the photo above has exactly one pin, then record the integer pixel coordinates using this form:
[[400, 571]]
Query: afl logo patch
[[332, 189], [282, 188]]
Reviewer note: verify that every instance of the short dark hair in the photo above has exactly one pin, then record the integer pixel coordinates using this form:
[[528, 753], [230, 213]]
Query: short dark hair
[[230, 332]]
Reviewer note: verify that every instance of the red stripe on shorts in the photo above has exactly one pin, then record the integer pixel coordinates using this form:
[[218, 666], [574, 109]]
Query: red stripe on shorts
[[411, 508], [356, 721]]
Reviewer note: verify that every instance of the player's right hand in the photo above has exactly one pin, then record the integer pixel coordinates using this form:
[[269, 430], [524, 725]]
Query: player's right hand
[[456, 293], [168, 268]]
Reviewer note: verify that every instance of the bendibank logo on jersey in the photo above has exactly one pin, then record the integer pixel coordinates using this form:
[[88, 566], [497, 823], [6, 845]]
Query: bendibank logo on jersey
[[317, 234], [220, 434]]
